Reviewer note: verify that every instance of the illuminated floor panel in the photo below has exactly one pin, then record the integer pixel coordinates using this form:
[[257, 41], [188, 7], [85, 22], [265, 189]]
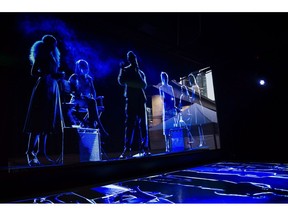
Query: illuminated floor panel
[[223, 182]]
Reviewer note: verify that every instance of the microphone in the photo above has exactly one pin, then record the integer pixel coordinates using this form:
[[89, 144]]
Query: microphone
[[182, 78]]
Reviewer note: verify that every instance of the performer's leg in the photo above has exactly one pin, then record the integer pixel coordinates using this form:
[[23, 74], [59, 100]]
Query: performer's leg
[[94, 117], [189, 134], [70, 117], [92, 113], [201, 136], [167, 142], [166, 132], [130, 120], [144, 132], [43, 144], [33, 149]]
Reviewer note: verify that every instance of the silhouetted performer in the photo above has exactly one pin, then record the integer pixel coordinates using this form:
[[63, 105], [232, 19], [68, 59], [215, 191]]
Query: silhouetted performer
[[44, 115], [84, 95], [134, 81], [196, 89], [169, 109], [185, 103]]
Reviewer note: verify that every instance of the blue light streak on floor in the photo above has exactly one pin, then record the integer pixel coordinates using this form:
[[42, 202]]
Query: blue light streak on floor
[[223, 182]]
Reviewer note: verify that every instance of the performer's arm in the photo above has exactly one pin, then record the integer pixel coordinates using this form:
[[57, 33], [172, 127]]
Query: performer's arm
[[93, 91], [142, 83], [121, 80], [73, 84], [35, 70]]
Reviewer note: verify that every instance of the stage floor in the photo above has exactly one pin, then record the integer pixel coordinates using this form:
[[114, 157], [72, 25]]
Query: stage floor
[[222, 182]]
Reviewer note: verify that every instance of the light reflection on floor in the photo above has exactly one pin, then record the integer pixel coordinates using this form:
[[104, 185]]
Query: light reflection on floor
[[223, 182]]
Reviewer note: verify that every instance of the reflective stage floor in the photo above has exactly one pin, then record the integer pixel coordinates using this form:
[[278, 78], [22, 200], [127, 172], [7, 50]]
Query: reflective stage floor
[[221, 182]]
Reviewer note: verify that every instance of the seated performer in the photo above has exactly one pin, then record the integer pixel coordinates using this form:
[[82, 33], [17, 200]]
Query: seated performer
[[84, 96]]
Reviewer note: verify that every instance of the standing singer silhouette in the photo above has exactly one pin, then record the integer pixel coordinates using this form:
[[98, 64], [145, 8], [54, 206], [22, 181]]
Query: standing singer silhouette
[[44, 116], [134, 81]]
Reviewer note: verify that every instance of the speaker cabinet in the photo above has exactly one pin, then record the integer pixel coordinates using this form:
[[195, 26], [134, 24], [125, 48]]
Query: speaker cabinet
[[89, 145], [179, 139], [81, 145]]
